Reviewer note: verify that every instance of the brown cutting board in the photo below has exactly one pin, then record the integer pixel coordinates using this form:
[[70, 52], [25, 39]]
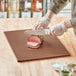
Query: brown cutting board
[[50, 48]]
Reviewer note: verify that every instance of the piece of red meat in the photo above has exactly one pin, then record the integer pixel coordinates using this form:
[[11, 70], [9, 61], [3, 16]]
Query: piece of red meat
[[34, 41]]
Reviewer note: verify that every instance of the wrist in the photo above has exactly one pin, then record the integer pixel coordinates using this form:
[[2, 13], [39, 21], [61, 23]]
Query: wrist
[[49, 14]]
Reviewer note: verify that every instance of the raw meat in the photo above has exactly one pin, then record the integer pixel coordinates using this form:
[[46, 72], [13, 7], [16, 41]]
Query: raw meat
[[34, 41]]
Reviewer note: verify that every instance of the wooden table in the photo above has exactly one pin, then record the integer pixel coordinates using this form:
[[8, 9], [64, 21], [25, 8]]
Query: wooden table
[[10, 67]]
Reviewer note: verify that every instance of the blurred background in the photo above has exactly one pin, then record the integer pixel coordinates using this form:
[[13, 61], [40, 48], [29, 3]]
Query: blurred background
[[28, 8]]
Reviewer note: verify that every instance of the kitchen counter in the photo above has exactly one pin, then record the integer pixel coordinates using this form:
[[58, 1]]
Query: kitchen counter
[[8, 64]]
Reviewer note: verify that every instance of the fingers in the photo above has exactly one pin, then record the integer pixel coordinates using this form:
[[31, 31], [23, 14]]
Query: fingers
[[35, 27], [39, 26], [42, 26], [57, 30], [51, 30]]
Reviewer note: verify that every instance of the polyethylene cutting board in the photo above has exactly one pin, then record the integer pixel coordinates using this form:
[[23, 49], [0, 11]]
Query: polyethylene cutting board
[[50, 48]]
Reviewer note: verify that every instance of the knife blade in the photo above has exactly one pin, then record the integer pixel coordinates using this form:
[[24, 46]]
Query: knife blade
[[37, 32]]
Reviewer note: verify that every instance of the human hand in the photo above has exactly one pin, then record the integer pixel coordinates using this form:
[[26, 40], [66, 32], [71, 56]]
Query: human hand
[[58, 29], [42, 23]]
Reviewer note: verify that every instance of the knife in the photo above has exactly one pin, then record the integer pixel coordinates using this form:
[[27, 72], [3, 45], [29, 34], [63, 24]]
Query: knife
[[37, 32]]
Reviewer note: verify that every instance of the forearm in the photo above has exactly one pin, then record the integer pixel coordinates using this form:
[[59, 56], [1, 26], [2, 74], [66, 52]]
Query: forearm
[[67, 22], [49, 14], [58, 5]]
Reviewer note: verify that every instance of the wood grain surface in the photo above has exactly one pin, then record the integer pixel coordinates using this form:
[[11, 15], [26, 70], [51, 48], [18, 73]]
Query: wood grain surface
[[10, 67]]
